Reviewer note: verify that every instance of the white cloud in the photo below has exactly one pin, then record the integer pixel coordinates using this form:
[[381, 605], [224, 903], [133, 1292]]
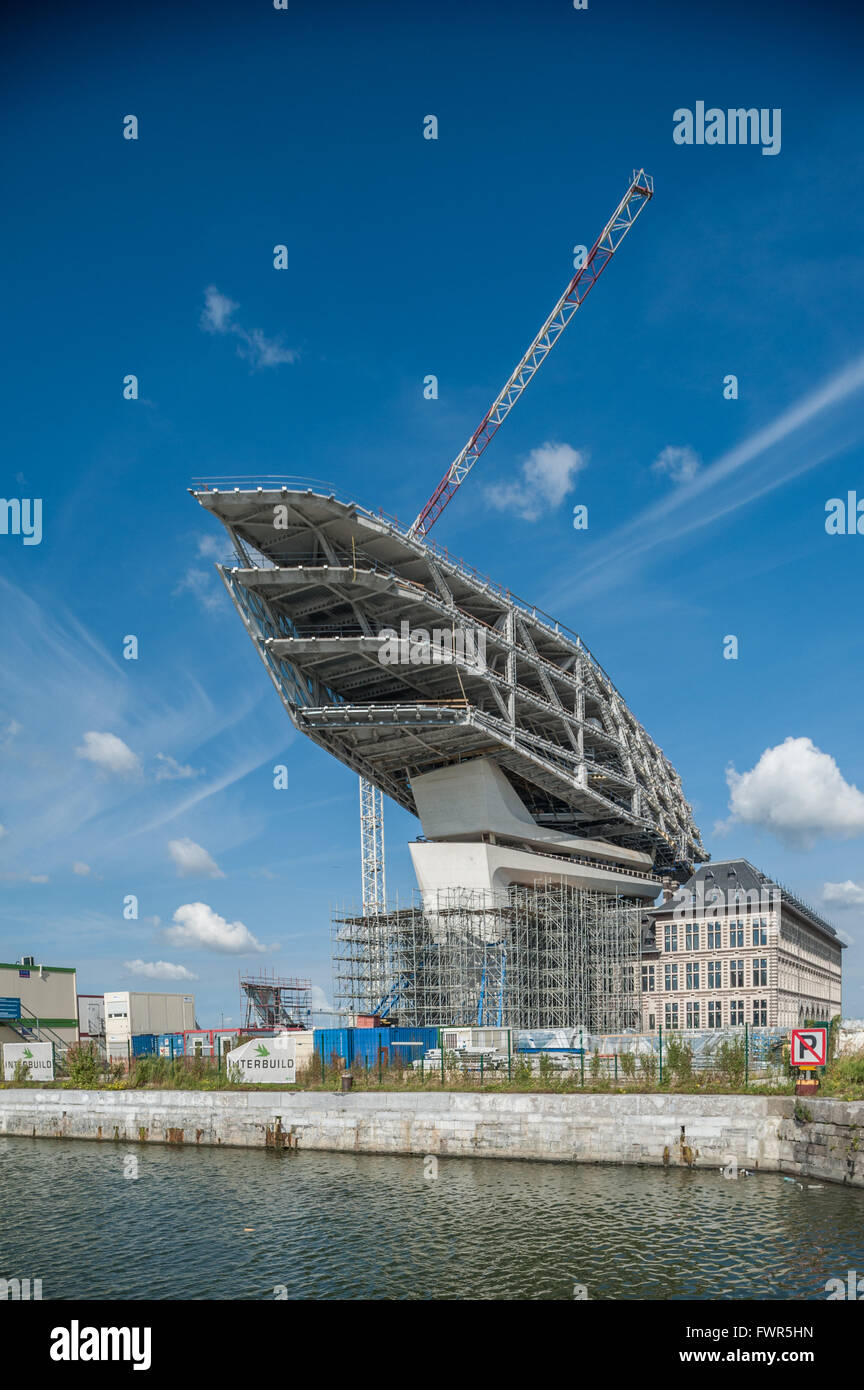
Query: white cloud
[[798, 793], [217, 312], [10, 877], [196, 924], [548, 474], [172, 771], [680, 464], [3, 831], [193, 861], [846, 894], [217, 316], [81, 869], [110, 753], [158, 970]]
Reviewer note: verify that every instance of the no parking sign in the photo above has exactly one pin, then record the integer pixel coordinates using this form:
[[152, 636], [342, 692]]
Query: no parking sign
[[809, 1047]]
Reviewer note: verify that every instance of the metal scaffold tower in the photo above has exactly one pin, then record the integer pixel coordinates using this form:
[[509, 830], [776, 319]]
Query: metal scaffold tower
[[276, 1002], [548, 956], [374, 890]]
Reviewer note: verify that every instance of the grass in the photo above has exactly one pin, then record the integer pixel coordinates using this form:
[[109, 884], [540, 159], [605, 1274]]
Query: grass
[[84, 1070]]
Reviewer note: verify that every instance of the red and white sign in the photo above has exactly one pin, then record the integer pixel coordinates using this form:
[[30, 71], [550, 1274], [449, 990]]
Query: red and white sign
[[809, 1047]]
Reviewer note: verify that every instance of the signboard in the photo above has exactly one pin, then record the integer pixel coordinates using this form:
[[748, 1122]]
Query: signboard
[[38, 1057], [809, 1047], [271, 1060]]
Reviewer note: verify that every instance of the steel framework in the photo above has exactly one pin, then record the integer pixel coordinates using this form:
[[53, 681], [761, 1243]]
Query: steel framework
[[276, 1002], [372, 846], [549, 955]]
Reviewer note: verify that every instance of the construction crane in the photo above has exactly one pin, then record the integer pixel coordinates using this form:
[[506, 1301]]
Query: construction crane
[[639, 193]]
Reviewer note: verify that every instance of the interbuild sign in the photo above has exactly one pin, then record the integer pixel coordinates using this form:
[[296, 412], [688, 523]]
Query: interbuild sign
[[38, 1057], [272, 1060]]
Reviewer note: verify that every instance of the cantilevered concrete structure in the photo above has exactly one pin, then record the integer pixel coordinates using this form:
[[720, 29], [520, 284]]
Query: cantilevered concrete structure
[[508, 740]]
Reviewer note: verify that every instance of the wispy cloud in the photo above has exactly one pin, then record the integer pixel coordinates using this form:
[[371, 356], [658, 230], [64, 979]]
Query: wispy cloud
[[253, 345], [158, 970], [809, 432], [681, 464]]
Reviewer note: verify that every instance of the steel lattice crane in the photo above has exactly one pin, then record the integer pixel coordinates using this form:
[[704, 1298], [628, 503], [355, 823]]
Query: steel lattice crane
[[639, 193]]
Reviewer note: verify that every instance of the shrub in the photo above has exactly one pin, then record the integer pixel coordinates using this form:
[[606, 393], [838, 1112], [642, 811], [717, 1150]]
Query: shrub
[[83, 1067], [679, 1059], [732, 1061]]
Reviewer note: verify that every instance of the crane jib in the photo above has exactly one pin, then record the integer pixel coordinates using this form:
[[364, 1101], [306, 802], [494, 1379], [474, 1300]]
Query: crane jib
[[640, 191]]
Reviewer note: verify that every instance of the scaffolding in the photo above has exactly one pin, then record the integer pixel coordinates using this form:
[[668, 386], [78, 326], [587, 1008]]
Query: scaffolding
[[276, 1002], [550, 955]]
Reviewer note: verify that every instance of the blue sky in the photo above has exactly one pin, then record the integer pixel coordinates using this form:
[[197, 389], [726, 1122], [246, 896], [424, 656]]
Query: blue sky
[[409, 257]]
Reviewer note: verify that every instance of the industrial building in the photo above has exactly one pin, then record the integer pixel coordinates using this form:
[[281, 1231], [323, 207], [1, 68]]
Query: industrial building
[[38, 1001], [732, 946]]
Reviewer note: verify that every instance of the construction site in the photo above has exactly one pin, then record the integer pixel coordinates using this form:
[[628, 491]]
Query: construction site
[[550, 819]]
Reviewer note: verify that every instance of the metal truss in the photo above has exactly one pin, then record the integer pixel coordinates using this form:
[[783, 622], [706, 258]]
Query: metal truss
[[638, 194]]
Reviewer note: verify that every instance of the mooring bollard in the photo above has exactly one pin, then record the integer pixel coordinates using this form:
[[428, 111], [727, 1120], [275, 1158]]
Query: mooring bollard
[[347, 1081]]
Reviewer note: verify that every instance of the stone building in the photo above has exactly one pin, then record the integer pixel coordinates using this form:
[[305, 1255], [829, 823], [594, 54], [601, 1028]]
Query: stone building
[[732, 946]]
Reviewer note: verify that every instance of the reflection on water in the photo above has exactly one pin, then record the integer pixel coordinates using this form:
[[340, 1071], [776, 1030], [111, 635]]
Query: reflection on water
[[235, 1224]]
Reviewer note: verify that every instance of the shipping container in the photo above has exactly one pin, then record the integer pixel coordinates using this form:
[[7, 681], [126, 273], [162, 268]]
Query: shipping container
[[363, 1045], [335, 1043], [144, 1044], [170, 1045]]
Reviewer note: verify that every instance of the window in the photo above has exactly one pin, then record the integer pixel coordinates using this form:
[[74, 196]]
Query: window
[[736, 1011], [736, 933], [670, 937], [715, 1013], [692, 976], [736, 975], [715, 934], [671, 1015], [693, 1015], [760, 1013], [760, 932], [760, 970], [691, 936], [670, 977], [652, 1020], [715, 974], [647, 979]]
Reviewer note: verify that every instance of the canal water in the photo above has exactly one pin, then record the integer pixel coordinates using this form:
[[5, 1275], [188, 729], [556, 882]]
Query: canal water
[[126, 1222]]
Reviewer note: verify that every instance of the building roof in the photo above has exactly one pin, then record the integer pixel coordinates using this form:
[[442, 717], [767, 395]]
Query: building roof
[[731, 875], [318, 587]]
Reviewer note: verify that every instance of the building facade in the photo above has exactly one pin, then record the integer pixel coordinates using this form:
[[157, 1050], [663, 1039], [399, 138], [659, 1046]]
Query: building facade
[[731, 946], [38, 1001]]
